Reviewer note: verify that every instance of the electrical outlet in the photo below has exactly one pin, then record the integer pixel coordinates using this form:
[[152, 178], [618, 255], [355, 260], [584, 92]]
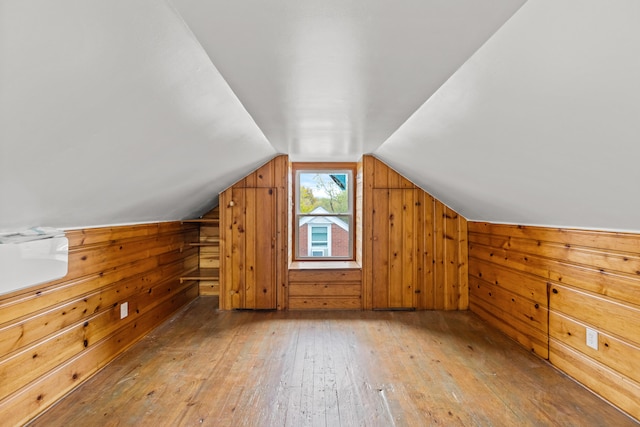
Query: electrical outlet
[[124, 310], [592, 338]]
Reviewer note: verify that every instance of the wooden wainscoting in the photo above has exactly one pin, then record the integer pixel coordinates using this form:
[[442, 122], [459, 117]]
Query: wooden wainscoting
[[56, 335], [544, 287], [319, 285]]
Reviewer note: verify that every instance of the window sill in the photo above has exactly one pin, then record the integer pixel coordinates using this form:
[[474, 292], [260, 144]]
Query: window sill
[[324, 265]]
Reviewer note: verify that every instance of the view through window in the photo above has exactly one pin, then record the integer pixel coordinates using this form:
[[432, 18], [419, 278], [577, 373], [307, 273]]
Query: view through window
[[324, 213]]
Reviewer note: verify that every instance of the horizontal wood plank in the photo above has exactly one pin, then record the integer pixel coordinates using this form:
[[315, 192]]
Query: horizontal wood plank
[[325, 303], [325, 289], [591, 279], [48, 332]]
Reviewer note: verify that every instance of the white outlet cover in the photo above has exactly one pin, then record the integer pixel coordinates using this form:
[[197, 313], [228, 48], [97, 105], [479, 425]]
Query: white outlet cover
[[124, 310], [592, 338]]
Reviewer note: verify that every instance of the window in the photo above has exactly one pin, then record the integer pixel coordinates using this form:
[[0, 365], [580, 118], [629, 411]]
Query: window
[[320, 241], [323, 211]]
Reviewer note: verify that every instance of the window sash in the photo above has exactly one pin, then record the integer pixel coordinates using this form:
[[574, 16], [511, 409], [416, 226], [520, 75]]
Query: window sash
[[344, 174]]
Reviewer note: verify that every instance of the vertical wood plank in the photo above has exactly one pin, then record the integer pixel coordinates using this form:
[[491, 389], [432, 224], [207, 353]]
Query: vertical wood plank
[[368, 180], [238, 250], [380, 175], [225, 253], [419, 252], [265, 251], [452, 287], [283, 212], [395, 253], [408, 246], [380, 255], [252, 231], [463, 264], [439, 294]]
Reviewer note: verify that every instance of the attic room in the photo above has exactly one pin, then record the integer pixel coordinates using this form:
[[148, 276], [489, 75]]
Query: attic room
[[319, 213]]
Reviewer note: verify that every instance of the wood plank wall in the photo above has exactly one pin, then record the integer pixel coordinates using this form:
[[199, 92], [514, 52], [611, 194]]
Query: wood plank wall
[[271, 175], [325, 289], [543, 287], [438, 243], [56, 335]]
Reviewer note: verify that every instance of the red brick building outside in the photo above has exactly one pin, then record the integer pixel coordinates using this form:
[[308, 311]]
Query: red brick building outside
[[329, 236]]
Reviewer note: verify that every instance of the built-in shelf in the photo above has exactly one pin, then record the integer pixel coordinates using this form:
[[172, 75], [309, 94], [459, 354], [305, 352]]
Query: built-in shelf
[[201, 274], [204, 244], [203, 220]]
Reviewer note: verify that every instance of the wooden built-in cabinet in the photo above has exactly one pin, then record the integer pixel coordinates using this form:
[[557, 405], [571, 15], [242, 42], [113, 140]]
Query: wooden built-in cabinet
[[250, 242], [414, 246], [253, 243]]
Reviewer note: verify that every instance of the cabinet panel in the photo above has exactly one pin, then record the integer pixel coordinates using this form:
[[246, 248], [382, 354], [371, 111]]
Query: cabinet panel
[[249, 249], [396, 246]]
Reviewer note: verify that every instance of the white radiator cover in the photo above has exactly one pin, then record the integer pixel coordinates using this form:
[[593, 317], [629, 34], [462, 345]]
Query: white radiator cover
[[30, 263]]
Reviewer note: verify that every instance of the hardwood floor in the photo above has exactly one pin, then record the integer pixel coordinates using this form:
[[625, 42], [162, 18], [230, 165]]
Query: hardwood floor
[[205, 367]]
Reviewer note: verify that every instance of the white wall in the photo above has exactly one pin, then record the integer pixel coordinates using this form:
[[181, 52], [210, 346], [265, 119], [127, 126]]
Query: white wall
[[540, 126], [111, 112]]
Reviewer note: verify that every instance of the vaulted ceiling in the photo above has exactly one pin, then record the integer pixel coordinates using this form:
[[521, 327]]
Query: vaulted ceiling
[[130, 111]]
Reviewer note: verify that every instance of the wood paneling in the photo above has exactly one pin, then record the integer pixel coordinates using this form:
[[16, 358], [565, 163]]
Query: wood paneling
[[544, 287], [55, 335], [414, 247], [420, 257], [325, 289], [253, 244]]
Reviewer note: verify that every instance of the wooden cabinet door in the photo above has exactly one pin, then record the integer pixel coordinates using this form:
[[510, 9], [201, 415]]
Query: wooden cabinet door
[[251, 250], [396, 230]]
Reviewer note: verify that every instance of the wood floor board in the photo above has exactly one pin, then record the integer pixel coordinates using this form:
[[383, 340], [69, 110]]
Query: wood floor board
[[213, 368]]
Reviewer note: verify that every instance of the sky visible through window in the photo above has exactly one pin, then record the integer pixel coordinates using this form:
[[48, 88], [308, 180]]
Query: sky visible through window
[[324, 189]]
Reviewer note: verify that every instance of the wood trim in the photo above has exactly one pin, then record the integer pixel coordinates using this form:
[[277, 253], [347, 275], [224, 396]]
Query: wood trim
[[353, 167]]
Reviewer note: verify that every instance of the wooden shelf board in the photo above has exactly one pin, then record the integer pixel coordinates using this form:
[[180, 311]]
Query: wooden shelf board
[[203, 220], [204, 244], [201, 274]]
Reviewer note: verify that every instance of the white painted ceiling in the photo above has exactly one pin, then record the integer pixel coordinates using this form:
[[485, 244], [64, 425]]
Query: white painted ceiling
[[542, 125], [130, 111]]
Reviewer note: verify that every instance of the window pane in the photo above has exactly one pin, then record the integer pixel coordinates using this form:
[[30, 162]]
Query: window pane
[[324, 192], [324, 236], [323, 213], [319, 235]]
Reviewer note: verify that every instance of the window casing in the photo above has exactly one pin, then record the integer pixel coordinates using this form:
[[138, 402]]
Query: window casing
[[323, 211]]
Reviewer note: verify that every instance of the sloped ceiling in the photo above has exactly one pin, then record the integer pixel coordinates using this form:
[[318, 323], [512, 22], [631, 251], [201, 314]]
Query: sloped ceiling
[[541, 126], [111, 112], [131, 111], [330, 80]]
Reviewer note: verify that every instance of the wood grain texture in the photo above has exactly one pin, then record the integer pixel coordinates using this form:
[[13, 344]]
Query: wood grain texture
[[325, 289], [221, 368], [56, 335], [209, 254], [414, 247], [538, 283], [242, 209]]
